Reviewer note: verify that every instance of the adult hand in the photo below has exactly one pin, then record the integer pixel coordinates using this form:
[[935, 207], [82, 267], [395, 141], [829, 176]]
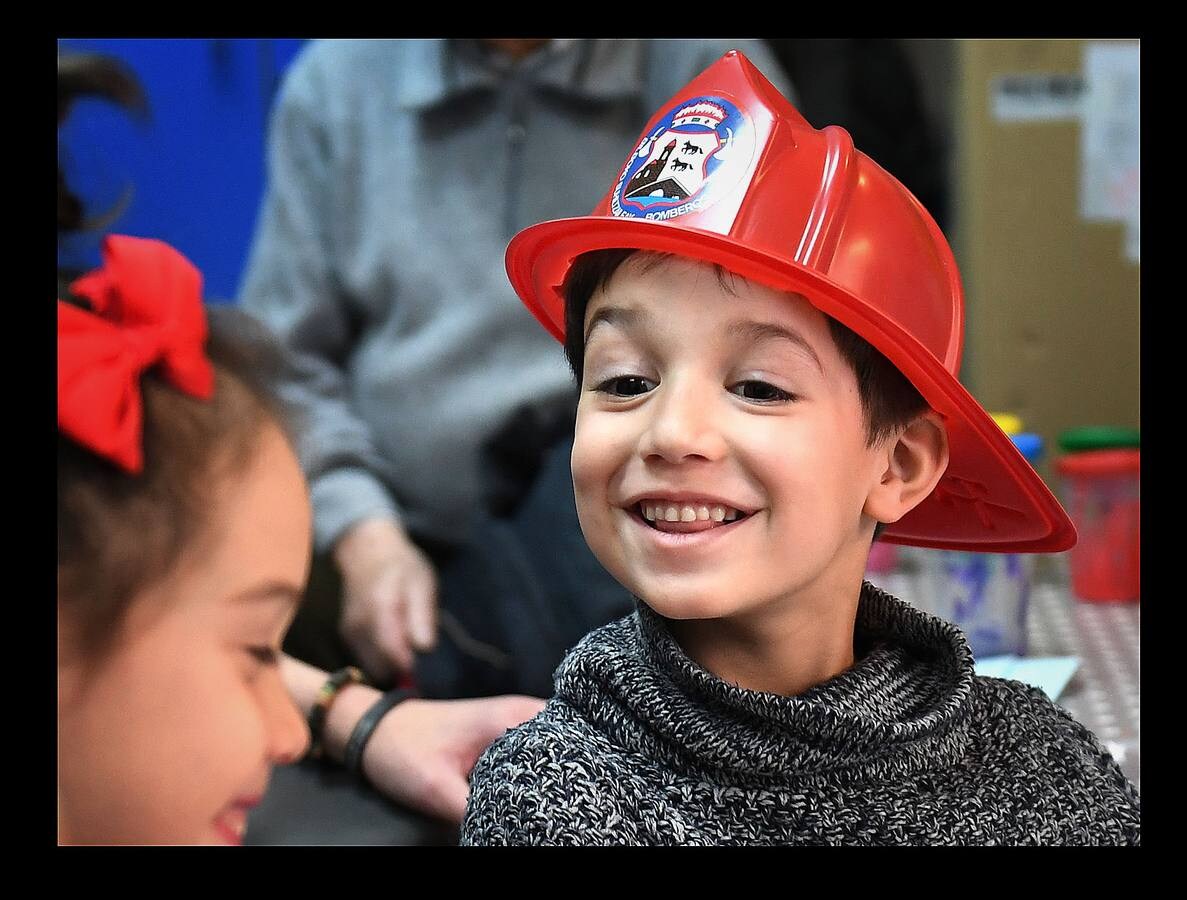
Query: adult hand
[[422, 752], [389, 602]]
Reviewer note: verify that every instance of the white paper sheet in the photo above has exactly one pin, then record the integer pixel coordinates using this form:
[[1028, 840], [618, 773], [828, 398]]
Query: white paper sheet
[[1037, 97], [1110, 138]]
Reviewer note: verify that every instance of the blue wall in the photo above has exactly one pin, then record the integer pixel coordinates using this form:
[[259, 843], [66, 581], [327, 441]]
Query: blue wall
[[196, 168]]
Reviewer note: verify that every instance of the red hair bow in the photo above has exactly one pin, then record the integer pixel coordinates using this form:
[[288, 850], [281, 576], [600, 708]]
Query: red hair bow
[[147, 301]]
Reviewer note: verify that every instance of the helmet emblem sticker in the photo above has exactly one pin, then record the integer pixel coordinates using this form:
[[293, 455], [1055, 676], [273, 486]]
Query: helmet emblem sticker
[[699, 150]]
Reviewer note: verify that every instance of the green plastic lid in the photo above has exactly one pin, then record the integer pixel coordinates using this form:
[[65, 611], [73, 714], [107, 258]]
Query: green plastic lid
[[1099, 437]]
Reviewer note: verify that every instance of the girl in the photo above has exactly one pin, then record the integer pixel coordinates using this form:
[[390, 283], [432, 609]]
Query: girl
[[183, 545], [184, 536], [183, 530]]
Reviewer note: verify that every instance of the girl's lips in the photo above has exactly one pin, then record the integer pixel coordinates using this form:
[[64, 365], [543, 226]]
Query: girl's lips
[[231, 827], [231, 823]]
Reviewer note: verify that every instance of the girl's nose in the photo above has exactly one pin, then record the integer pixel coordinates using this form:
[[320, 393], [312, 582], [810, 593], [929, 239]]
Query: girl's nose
[[288, 732]]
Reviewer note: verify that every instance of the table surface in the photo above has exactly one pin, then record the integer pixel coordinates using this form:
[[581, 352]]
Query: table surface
[[311, 804], [1104, 693]]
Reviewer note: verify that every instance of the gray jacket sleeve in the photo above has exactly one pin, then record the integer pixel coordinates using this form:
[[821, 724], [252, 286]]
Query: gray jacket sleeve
[[292, 287]]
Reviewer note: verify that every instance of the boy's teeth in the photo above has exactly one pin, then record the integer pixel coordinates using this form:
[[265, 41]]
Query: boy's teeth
[[688, 513]]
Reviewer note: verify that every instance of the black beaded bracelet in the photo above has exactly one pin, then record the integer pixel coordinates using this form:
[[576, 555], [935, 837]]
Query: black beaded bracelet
[[353, 758], [321, 705]]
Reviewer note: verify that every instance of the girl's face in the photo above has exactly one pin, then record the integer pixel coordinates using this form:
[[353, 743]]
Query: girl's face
[[170, 737]]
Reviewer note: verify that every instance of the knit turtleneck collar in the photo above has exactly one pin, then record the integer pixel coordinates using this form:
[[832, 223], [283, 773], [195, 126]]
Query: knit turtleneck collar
[[903, 705]]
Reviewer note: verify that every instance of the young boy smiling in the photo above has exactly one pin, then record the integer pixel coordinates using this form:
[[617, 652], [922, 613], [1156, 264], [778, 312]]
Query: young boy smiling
[[743, 516], [767, 329]]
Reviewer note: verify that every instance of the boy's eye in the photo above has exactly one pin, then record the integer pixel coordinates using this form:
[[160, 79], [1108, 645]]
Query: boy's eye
[[626, 386], [760, 391]]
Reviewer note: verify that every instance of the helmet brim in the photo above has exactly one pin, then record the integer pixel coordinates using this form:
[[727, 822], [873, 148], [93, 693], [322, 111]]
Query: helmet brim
[[990, 498]]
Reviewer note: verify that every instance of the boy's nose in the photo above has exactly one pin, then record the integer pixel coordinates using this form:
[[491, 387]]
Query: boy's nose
[[684, 424]]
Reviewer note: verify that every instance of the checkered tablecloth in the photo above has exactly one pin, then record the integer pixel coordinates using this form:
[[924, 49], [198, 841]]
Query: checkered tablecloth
[[1104, 693]]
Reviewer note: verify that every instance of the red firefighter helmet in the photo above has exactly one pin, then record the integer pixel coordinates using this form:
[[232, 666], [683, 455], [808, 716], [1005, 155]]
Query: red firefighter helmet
[[729, 172]]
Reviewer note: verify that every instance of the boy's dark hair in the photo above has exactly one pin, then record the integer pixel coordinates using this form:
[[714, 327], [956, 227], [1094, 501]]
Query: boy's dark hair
[[889, 401], [119, 533]]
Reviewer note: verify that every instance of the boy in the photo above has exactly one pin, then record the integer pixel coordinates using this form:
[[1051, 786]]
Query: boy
[[768, 380]]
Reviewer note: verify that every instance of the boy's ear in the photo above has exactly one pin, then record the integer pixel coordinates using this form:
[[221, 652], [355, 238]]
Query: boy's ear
[[914, 464]]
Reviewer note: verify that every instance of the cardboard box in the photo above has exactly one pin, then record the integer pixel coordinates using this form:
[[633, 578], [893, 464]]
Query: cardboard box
[[1052, 299]]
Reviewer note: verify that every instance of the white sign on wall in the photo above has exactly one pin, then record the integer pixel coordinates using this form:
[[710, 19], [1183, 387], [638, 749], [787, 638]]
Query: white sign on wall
[[1036, 97], [1110, 138]]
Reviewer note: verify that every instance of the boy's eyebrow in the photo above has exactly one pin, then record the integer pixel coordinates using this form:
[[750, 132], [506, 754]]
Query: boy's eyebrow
[[616, 315], [756, 331]]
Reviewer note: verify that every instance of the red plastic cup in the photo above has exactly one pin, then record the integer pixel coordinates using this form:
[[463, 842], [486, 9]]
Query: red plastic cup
[[1102, 496]]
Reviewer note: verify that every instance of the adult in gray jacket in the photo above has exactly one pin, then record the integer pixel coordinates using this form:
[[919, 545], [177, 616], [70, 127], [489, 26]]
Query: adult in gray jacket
[[398, 171]]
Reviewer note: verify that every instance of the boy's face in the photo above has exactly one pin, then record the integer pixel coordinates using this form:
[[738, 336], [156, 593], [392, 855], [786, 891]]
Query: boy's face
[[731, 411]]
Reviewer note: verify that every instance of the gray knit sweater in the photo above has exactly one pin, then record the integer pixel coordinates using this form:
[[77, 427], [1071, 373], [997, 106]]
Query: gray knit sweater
[[640, 745]]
